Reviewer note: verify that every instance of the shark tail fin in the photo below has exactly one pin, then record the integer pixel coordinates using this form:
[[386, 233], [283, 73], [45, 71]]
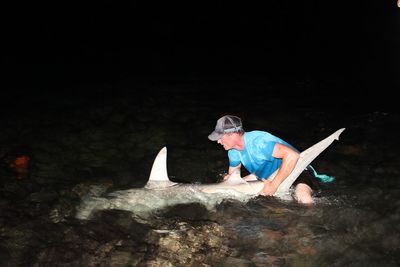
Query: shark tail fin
[[159, 176], [323, 177], [338, 132]]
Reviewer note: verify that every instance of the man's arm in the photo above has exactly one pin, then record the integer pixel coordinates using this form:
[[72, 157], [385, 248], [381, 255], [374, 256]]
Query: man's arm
[[234, 169], [289, 159]]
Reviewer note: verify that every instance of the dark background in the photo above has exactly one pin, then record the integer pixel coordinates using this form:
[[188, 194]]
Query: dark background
[[346, 49]]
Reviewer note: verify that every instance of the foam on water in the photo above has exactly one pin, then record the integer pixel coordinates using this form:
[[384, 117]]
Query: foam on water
[[144, 202]]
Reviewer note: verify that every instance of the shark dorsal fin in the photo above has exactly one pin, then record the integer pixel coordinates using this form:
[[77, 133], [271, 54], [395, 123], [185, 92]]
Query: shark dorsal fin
[[159, 175], [235, 178]]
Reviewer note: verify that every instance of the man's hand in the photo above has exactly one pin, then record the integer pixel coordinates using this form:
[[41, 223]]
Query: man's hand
[[269, 188], [226, 177], [289, 159]]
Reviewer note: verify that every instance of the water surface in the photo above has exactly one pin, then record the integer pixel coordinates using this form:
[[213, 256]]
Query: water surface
[[97, 141]]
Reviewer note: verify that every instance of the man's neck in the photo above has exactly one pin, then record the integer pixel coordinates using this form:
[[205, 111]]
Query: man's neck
[[240, 142]]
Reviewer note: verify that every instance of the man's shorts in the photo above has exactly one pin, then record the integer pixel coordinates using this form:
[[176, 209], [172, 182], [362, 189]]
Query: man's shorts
[[307, 177]]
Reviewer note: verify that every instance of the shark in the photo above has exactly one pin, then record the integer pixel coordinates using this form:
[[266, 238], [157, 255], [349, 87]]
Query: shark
[[160, 192]]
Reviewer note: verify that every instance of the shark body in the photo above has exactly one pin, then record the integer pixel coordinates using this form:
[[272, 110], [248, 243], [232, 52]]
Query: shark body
[[161, 192]]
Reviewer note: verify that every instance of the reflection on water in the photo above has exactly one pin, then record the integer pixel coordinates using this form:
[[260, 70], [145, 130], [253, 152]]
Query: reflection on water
[[339, 230], [346, 226]]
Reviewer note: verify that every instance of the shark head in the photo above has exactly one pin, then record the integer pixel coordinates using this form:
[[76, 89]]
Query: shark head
[[236, 183]]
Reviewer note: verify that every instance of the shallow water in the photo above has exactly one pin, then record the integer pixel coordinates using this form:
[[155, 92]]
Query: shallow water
[[93, 142]]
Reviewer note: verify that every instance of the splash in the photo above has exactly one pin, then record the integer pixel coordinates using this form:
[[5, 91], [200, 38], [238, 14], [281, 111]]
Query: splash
[[143, 203]]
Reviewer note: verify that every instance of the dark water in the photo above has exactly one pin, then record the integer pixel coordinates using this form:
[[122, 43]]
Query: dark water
[[98, 139]]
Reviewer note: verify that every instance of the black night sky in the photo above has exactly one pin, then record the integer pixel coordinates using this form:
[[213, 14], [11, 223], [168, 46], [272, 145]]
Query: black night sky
[[351, 46]]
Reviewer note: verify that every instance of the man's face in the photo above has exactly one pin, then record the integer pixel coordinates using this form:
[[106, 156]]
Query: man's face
[[227, 141]]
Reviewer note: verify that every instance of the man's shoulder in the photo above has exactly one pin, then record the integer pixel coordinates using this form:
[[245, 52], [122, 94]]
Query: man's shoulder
[[257, 135], [261, 140]]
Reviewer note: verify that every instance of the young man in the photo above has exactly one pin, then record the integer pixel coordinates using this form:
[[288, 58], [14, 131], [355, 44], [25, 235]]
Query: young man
[[261, 153]]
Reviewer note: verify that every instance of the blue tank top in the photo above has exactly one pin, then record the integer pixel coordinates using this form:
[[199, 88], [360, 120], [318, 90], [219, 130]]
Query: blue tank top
[[256, 156]]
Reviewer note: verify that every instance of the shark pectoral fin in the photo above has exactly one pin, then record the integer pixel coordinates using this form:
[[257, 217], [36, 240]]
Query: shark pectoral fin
[[234, 179]]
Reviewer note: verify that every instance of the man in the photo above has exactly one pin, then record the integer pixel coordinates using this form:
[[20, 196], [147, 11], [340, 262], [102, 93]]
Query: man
[[261, 153]]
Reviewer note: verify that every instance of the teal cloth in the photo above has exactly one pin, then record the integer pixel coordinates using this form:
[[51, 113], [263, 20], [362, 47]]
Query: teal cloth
[[323, 177]]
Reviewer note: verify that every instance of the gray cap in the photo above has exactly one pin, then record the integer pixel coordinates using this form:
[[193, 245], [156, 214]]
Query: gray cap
[[226, 124]]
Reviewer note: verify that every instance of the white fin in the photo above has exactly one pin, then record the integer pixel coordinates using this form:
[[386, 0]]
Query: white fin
[[306, 157], [158, 175], [235, 178]]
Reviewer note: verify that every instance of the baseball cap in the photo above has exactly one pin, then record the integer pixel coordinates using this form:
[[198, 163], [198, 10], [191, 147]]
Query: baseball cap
[[226, 124]]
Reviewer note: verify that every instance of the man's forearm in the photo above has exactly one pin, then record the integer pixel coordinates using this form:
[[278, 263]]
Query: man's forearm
[[286, 168], [234, 169]]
